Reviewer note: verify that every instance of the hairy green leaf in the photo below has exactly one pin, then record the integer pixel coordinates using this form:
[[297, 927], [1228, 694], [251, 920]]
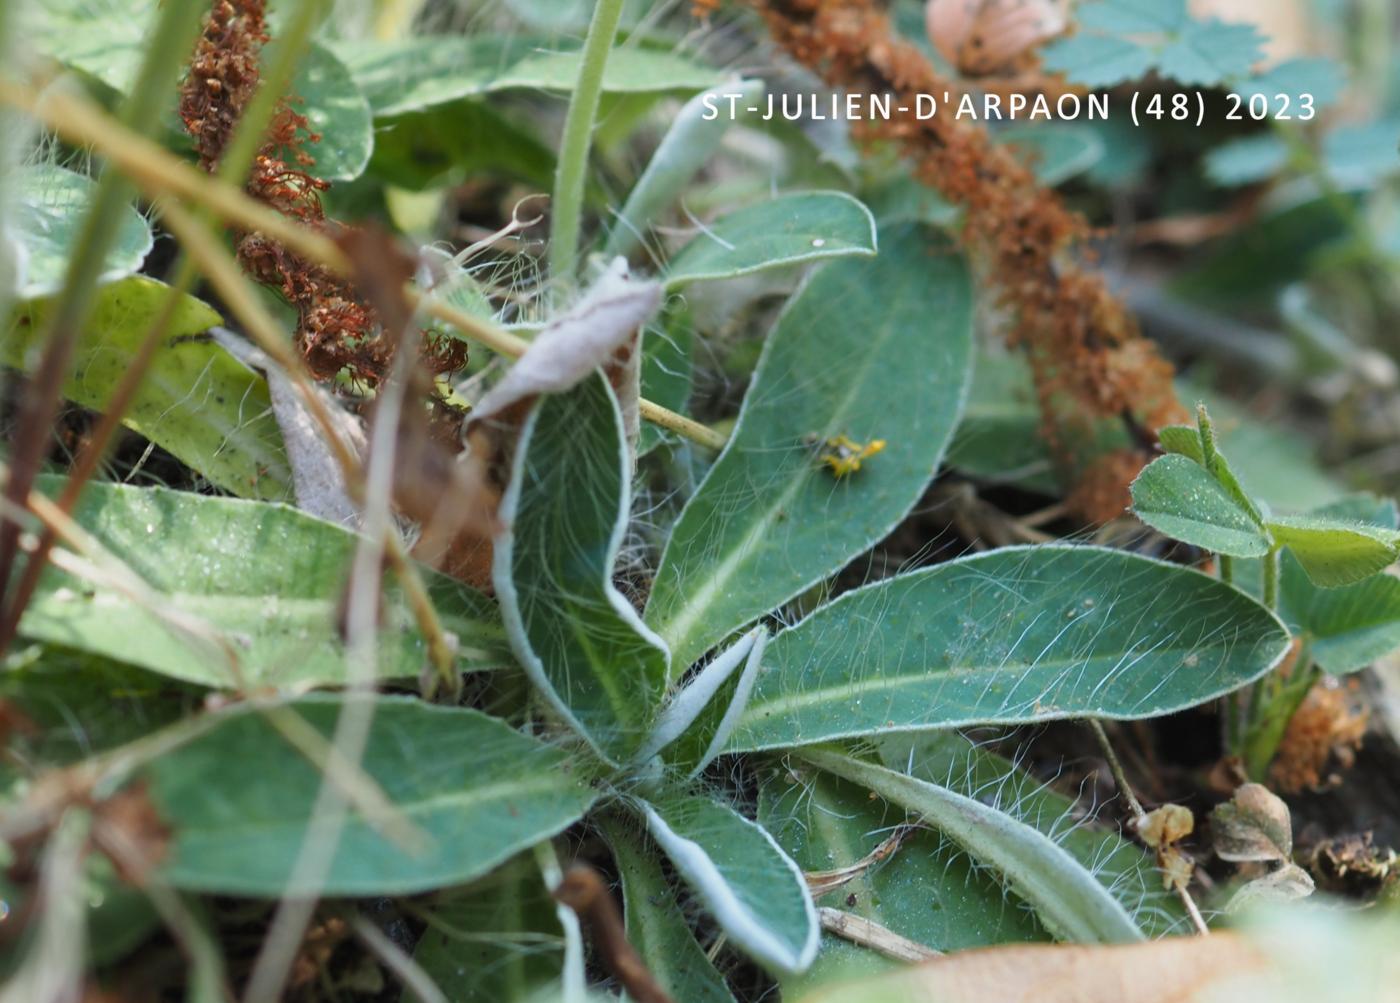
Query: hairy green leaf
[[1016, 635], [417, 73], [697, 723], [786, 230], [753, 889], [565, 512], [48, 212], [198, 401], [656, 924], [872, 349], [668, 344], [239, 800], [267, 578], [1065, 896], [926, 890], [1177, 496], [1122, 866]]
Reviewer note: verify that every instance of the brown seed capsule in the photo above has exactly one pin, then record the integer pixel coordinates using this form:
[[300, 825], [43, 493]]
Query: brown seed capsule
[[980, 37]]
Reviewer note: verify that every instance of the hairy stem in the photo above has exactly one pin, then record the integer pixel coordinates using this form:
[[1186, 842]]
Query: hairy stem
[[567, 205]]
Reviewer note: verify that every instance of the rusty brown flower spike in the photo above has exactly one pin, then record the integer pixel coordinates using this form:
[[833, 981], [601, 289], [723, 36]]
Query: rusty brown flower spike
[[1090, 361], [337, 329]]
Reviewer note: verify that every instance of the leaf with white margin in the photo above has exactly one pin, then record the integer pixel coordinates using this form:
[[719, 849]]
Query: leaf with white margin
[[754, 890], [769, 521], [564, 514], [1071, 903], [1016, 635], [698, 721]]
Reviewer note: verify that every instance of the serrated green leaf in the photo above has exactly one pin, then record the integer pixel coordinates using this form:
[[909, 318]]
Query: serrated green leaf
[[656, 924], [565, 511], [754, 890], [495, 940], [1131, 17], [1016, 635], [1065, 896], [1097, 60], [928, 890], [197, 401], [1333, 552], [1320, 79], [1210, 52], [45, 221], [417, 73], [1360, 156], [268, 578], [1177, 496], [239, 800], [787, 230], [870, 348]]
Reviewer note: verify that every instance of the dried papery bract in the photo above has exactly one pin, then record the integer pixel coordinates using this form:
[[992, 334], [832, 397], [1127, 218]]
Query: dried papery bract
[[1089, 359], [986, 36]]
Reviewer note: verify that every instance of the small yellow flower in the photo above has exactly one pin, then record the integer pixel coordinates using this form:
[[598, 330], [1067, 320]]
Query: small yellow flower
[[843, 455]]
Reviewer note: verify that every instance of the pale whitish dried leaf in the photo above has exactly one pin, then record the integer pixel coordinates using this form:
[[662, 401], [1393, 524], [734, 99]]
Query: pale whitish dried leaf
[[1285, 884], [317, 480], [1253, 825], [1169, 824], [595, 332]]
